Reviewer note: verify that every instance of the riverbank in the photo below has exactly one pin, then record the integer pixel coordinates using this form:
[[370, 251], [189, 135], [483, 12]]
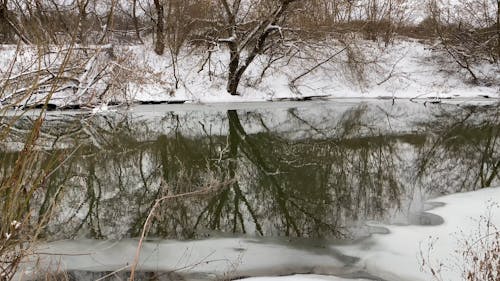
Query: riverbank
[[405, 69], [439, 252]]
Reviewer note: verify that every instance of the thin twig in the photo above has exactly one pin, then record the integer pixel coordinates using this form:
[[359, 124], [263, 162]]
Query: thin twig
[[150, 216]]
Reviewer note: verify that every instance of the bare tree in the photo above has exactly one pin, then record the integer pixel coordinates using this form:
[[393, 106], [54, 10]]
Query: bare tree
[[8, 24], [136, 21], [160, 27], [469, 33], [5, 29], [247, 37], [82, 19], [498, 29]]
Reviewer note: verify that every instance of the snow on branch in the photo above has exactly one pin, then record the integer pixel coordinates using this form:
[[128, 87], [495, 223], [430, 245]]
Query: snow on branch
[[231, 39]]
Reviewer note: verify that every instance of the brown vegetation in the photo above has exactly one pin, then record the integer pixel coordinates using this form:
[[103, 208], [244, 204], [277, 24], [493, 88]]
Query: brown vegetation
[[468, 33], [477, 259]]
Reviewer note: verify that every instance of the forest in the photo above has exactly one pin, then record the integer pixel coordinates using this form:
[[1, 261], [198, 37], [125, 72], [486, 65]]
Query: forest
[[88, 53]]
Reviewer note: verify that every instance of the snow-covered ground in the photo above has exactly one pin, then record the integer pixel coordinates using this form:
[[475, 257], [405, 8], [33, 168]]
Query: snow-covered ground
[[396, 255], [407, 69], [409, 252], [412, 252]]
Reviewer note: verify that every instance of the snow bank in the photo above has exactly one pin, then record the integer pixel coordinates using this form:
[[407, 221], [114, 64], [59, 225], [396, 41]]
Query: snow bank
[[407, 69], [399, 255], [229, 257]]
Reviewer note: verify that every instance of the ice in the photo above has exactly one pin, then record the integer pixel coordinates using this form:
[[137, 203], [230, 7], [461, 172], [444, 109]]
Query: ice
[[303, 278], [397, 255]]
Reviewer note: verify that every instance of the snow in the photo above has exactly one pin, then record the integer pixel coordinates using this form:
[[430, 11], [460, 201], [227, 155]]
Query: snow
[[100, 109], [302, 278], [398, 255], [395, 255], [215, 257], [407, 69]]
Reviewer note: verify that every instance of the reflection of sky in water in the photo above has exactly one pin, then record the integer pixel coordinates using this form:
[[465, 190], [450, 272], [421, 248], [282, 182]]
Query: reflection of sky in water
[[307, 170]]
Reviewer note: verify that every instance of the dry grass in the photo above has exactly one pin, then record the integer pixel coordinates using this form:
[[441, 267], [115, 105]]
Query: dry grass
[[477, 257], [18, 226], [22, 182], [482, 253]]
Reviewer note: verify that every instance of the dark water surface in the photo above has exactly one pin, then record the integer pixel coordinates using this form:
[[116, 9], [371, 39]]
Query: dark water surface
[[297, 173]]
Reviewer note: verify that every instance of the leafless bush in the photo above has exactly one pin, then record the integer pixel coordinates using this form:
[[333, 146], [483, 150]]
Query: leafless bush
[[79, 75], [478, 255], [355, 64], [469, 33], [20, 226], [484, 258], [65, 69]]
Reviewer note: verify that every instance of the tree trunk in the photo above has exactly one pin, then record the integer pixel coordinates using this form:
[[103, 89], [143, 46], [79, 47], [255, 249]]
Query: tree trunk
[[236, 67], [498, 30], [234, 62], [109, 22], [82, 22], [136, 21], [160, 28], [8, 26], [5, 29]]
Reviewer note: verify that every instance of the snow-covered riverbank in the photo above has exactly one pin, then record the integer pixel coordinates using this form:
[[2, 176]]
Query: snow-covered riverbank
[[409, 252], [401, 254], [407, 69]]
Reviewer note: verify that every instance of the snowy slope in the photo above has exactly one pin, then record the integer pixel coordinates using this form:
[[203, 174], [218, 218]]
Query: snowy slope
[[406, 69]]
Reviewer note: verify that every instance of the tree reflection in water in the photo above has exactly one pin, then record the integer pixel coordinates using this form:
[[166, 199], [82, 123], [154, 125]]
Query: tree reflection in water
[[288, 173], [463, 152]]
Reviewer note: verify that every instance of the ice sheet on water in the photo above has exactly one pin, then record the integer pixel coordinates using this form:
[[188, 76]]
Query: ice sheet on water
[[396, 255]]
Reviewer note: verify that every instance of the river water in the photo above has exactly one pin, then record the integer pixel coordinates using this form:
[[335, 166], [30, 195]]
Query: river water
[[269, 186]]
